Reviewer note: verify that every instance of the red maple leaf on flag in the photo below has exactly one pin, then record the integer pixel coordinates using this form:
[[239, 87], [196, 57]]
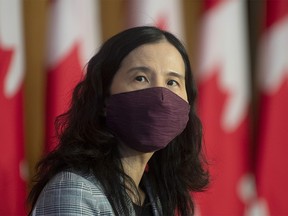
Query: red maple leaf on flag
[[276, 11], [226, 151], [208, 4], [62, 78], [161, 22], [5, 59], [11, 135]]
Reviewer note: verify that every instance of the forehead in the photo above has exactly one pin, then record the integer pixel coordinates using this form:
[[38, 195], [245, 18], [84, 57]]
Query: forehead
[[162, 53]]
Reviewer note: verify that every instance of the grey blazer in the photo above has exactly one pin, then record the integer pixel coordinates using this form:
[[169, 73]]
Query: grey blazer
[[70, 193]]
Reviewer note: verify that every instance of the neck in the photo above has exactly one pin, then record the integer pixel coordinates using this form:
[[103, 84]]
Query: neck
[[134, 164]]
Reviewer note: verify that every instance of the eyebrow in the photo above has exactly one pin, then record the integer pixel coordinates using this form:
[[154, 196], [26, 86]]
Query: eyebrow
[[175, 74], [140, 68], [149, 70]]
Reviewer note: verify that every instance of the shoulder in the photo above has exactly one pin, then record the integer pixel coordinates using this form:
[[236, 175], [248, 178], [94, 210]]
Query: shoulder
[[73, 194]]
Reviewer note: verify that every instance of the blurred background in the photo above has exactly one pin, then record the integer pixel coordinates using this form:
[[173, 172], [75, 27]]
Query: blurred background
[[238, 52]]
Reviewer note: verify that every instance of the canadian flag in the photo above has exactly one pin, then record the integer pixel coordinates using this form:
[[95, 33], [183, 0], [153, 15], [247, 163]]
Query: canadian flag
[[73, 38], [223, 106], [12, 184], [272, 172], [165, 14]]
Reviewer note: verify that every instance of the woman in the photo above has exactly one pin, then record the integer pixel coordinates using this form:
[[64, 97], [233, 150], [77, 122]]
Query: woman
[[130, 144]]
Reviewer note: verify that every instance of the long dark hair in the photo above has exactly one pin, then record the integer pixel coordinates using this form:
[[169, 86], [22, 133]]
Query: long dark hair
[[86, 145]]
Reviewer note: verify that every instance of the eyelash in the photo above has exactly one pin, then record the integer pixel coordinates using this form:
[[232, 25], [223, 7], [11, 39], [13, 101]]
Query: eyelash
[[140, 79], [174, 82]]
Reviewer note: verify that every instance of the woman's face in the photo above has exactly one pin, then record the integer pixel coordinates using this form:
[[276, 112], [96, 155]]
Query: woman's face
[[151, 65]]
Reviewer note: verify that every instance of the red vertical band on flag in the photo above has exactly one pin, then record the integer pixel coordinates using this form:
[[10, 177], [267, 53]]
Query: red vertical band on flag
[[12, 183], [272, 175]]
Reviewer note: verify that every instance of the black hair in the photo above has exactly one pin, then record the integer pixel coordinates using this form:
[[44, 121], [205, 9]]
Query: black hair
[[86, 145]]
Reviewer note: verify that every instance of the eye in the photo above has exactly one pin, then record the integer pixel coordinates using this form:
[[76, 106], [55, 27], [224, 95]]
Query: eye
[[172, 83], [141, 79]]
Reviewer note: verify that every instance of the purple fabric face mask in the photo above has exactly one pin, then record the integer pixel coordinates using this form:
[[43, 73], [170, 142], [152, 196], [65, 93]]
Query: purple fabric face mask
[[147, 120]]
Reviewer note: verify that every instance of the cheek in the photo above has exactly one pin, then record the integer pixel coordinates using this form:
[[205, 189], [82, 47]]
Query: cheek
[[183, 94], [116, 84]]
